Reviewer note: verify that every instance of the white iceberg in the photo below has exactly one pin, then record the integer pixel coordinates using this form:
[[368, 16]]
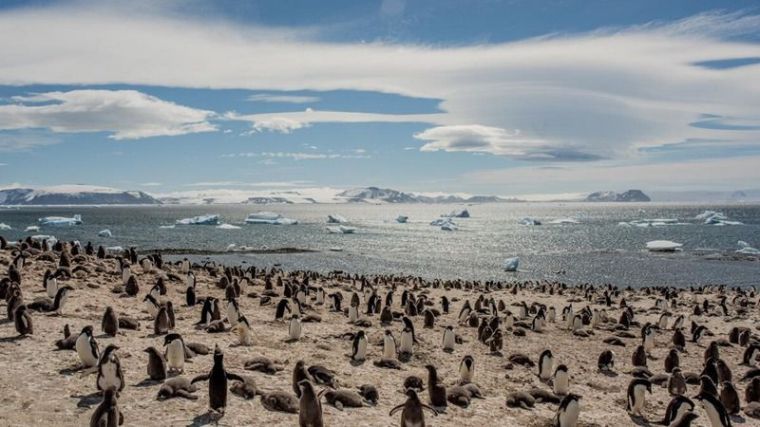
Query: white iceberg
[[653, 222], [402, 219], [269, 218], [564, 221], [32, 228], [48, 237], [4, 226], [336, 219], [716, 218], [105, 233], [463, 213], [166, 226], [449, 225], [746, 249], [510, 264], [200, 220], [529, 221], [709, 214], [115, 250], [60, 220], [341, 229], [663, 246], [231, 247], [226, 226]]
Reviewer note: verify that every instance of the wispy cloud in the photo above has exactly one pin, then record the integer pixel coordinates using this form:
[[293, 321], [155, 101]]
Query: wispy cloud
[[288, 99], [262, 184], [298, 155], [25, 141], [151, 184]]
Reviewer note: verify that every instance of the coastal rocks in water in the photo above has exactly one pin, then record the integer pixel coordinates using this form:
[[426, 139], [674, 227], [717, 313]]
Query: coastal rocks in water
[[564, 221], [510, 264], [611, 196], [226, 226], [269, 218], [31, 229], [463, 213], [336, 219], [746, 249], [4, 226], [663, 246], [402, 219], [200, 220]]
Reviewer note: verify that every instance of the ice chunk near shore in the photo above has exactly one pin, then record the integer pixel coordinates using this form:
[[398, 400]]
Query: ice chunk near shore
[[341, 229], [402, 219], [32, 228], [269, 218], [564, 221], [510, 264], [709, 214], [746, 249], [60, 220], [115, 250], [336, 219], [449, 225], [200, 220], [529, 221], [4, 226], [653, 222], [463, 213], [663, 246], [105, 233], [716, 218], [166, 226], [225, 226], [231, 247]]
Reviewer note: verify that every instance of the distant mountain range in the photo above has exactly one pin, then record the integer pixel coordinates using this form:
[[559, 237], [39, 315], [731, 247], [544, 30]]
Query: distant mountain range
[[611, 196], [387, 195], [74, 195]]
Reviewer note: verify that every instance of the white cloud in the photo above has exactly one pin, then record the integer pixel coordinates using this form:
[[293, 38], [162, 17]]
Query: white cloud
[[289, 99], [151, 184], [298, 155], [25, 141], [126, 114]]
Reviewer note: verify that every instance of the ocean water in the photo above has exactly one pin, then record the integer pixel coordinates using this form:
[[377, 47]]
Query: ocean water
[[596, 250]]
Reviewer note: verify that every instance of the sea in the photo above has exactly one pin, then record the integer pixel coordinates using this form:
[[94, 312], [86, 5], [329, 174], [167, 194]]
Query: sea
[[592, 248]]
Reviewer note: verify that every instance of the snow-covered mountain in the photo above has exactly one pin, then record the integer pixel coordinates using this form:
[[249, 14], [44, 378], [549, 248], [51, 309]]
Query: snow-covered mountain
[[387, 195], [611, 196], [74, 195]]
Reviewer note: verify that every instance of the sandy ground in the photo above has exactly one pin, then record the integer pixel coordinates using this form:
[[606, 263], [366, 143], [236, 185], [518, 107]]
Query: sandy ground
[[41, 385]]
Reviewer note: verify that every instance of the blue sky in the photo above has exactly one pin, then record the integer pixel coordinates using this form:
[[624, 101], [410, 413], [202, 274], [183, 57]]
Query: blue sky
[[497, 97]]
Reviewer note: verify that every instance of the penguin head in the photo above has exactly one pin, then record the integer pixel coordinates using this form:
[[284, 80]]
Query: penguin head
[[468, 361], [171, 337], [87, 330]]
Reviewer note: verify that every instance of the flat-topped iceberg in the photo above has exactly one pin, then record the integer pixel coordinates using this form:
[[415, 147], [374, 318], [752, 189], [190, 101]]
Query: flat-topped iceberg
[[564, 221], [463, 213], [341, 229], [402, 219], [336, 219], [167, 226], [200, 220], [32, 228], [269, 218], [663, 246], [4, 226], [529, 221], [105, 233], [511, 264], [226, 226], [653, 222], [60, 220]]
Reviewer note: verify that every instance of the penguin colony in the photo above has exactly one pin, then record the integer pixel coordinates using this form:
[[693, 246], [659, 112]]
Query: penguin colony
[[132, 339]]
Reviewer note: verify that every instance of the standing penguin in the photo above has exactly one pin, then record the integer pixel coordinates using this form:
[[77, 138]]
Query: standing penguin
[[152, 305], [412, 410], [389, 345], [294, 328], [466, 369], [156, 364], [283, 305], [449, 339], [359, 347], [436, 390], [175, 352], [22, 320], [161, 322], [545, 365], [676, 383], [217, 382], [51, 284], [561, 383], [715, 410], [190, 292], [110, 323], [672, 360], [107, 414], [729, 397], [110, 375], [310, 408], [677, 407], [245, 335], [60, 299], [233, 311], [639, 356], [406, 346], [636, 395], [568, 411], [87, 348]]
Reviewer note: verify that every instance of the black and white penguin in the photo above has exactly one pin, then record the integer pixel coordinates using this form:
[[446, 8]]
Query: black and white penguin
[[561, 382], [715, 410], [310, 408], [545, 365], [685, 420], [449, 339], [436, 390], [676, 383], [152, 305], [647, 338], [210, 311], [51, 284], [389, 345], [217, 382], [698, 333], [606, 361], [156, 364], [233, 312], [406, 344], [639, 357], [300, 373], [60, 299], [283, 305], [131, 288], [751, 353], [175, 352], [636, 395], [359, 347], [110, 323], [87, 348], [22, 320], [190, 297], [243, 329], [677, 407], [466, 369], [412, 414], [107, 414], [410, 325], [110, 375], [568, 411], [161, 322], [464, 313], [679, 339], [294, 328]]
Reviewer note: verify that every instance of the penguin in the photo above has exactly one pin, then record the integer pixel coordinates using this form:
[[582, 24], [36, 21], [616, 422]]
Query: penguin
[[107, 414], [156, 364], [647, 338], [294, 328], [353, 313], [170, 312], [320, 296], [545, 365], [636, 397], [752, 392], [87, 348], [152, 305], [679, 340], [190, 298], [233, 312], [729, 397], [161, 322], [639, 357], [178, 387], [466, 369], [359, 347], [412, 414], [561, 383], [716, 413], [568, 411], [436, 390], [110, 375], [175, 352], [300, 373], [449, 339], [310, 408], [606, 361], [60, 299], [676, 383], [671, 361], [283, 305], [210, 311], [22, 320], [464, 313], [110, 323], [407, 342], [678, 323], [685, 420], [751, 353], [243, 328], [389, 345], [51, 284], [217, 382], [698, 333], [132, 288], [677, 407], [409, 324]]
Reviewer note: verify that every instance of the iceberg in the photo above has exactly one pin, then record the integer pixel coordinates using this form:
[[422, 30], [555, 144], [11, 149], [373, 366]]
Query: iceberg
[[341, 229], [115, 250], [564, 221], [226, 226], [653, 222], [746, 249], [269, 218], [200, 220], [336, 219], [716, 218], [463, 213], [510, 264], [529, 221], [166, 226], [663, 246], [32, 228], [402, 219], [105, 233], [449, 225], [60, 220], [4, 226]]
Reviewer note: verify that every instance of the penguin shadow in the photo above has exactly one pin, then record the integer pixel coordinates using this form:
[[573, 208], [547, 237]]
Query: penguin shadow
[[13, 338], [291, 340], [738, 419], [640, 421], [88, 400], [404, 357], [205, 419], [147, 382], [104, 336], [71, 370], [610, 374], [357, 362]]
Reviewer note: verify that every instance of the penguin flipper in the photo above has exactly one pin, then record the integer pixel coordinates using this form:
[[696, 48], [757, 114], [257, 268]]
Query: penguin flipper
[[235, 377], [396, 409], [433, 410], [203, 377]]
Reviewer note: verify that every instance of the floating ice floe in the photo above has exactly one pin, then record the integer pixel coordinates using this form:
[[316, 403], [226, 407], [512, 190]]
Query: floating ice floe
[[716, 218], [32, 228], [226, 226], [341, 229], [48, 237], [114, 250], [60, 220], [269, 218], [4, 226], [510, 264], [105, 233], [564, 221], [463, 213], [746, 249], [231, 247], [166, 226], [663, 246], [529, 221], [402, 219], [200, 220], [652, 222], [449, 225], [336, 219]]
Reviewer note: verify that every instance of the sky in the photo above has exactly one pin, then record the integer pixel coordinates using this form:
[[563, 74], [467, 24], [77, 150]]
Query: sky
[[497, 97]]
